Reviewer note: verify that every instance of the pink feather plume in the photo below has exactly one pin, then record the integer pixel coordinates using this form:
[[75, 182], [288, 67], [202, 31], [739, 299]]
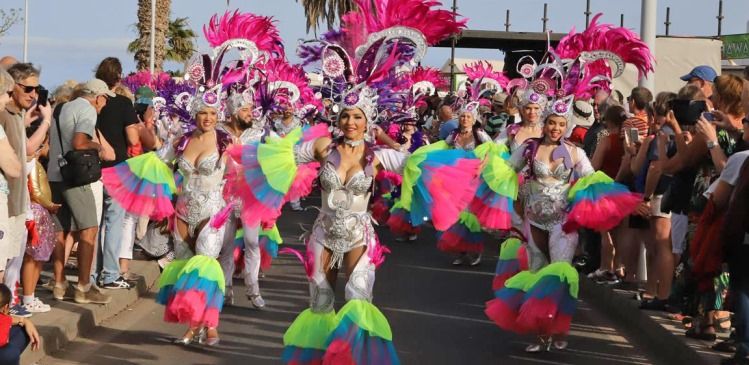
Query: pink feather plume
[[434, 24], [606, 37], [256, 28]]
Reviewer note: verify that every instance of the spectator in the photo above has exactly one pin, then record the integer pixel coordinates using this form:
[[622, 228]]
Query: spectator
[[732, 194], [18, 113], [7, 61], [638, 102], [608, 158], [582, 120], [15, 333], [9, 162], [447, 123], [596, 131], [77, 122], [117, 122], [702, 77]]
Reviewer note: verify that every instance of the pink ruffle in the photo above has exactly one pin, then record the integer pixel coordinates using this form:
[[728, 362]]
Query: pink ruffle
[[603, 214], [189, 307], [452, 189], [157, 208]]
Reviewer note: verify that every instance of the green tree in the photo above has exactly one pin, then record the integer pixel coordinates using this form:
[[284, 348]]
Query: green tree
[[180, 42], [325, 11]]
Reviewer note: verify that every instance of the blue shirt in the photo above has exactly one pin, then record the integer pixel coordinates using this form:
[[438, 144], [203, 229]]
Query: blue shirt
[[448, 127]]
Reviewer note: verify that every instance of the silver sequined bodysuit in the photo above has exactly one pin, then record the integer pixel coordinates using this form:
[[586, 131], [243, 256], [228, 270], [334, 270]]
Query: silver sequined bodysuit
[[201, 195], [344, 220]]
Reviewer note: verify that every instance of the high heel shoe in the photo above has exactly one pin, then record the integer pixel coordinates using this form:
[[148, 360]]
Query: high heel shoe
[[211, 341], [189, 338], [544, 343]]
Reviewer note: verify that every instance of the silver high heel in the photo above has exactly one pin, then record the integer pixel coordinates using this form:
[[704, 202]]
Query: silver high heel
[[210, 341], [189, 339], [560, 345], [543, 345]]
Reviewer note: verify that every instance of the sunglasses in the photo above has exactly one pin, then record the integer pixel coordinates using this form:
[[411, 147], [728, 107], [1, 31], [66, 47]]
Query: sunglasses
[[27, 89]]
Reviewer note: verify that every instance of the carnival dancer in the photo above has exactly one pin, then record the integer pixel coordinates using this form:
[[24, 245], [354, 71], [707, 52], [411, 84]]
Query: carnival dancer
[[466, 238], [387, 35], [245, 129], [192, 286], [561, 193]]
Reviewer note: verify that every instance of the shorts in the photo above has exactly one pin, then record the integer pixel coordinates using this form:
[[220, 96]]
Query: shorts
[[78, 207], [12, 233], [4, 230], [655, 207], [679, 228]]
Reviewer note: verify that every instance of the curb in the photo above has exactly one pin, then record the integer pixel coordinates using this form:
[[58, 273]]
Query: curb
[[664, 345], [68, 320]]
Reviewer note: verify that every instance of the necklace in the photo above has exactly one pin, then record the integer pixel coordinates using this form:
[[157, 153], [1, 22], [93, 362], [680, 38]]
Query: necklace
[[352, 143]]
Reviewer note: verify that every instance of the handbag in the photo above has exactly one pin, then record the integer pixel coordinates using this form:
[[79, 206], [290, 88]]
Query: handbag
[[78, 167]]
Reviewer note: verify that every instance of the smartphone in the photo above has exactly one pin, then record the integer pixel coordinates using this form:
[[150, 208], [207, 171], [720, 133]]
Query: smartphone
[[708, 116], [687, 112], [634, 135], [43, 96]]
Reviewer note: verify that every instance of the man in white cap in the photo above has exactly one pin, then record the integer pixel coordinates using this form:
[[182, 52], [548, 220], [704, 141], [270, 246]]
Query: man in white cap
[[582, 119], [75, 128]]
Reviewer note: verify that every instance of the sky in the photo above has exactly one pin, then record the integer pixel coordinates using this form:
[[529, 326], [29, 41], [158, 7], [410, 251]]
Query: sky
[[69, 38]]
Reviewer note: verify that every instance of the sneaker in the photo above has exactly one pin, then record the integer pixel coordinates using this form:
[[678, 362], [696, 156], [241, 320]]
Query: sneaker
[[37, 306], [256, 301], [59, 292], [119, 283], [19, 311], [475, 261], [93, 295], [608, 278]]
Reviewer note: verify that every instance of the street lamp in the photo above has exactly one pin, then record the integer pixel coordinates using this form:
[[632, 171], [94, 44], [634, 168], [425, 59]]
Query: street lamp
[[26, 31]]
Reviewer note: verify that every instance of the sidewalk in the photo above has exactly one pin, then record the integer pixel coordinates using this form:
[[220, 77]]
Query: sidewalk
[[67, 319], [660, 335]]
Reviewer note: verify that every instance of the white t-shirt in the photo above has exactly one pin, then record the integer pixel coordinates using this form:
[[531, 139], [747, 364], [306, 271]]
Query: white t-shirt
[[732, 170]]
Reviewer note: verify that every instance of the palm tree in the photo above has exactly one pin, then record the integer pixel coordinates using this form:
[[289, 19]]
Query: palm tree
[[328, 11], [142, 48], [180, 42]]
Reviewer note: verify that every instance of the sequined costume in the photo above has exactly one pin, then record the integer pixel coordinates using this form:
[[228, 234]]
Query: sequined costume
[[250, 237], [343, 224], [544, 197]]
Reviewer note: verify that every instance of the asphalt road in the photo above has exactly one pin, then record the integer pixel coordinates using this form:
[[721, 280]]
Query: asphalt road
[[435, 310]]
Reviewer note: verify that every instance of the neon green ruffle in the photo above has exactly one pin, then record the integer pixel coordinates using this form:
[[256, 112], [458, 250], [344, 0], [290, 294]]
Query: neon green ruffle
[[207, 267], [310, 330], [171, 273], [470, 221], [496, 172], [598, 177], [149, 167], [526, 280], [276, 158], [508, 250], [367, 317], [412, 171], [272, 234]]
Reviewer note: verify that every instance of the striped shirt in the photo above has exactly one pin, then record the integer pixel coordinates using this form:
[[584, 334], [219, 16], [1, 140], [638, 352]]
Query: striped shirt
[[639, 121]]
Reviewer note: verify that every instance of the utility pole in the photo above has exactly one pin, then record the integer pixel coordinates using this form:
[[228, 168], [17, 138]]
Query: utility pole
[[720, 16], [668, 19], [452, 49], [587, 13], [545, 18], [26, 32], [507, 21], [621, 20]]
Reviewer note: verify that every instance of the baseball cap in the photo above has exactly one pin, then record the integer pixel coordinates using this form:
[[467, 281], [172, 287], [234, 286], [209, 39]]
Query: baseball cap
[[703, 72], [98, 87], [582, 113], [144, 95]]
